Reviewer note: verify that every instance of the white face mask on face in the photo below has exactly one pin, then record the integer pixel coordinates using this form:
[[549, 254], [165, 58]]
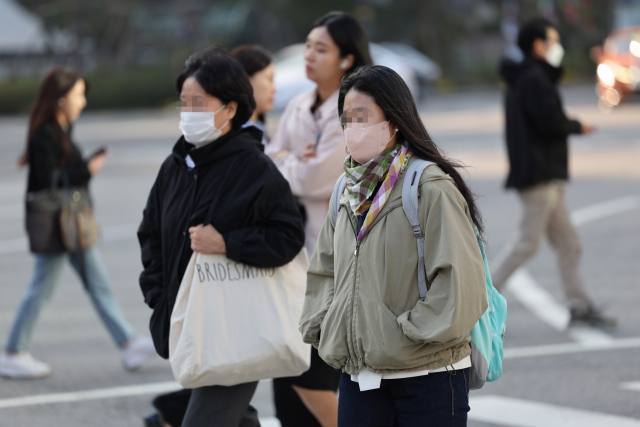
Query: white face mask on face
[[554, 55], [199, 128]]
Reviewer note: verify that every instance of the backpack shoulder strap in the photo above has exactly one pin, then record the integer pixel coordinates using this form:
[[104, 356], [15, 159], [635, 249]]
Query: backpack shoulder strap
[[410, 206], [335, 198]]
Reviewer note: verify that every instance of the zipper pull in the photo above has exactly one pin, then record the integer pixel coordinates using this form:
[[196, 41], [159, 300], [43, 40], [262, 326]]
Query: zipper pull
[[355, 253]]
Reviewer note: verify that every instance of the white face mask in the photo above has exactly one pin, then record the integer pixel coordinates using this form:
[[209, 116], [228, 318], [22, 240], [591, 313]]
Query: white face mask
[[199, 128], [554, 55]]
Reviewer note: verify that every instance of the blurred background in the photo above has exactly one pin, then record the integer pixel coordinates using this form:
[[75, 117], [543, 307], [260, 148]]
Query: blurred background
[[132, 49], [447, 51]]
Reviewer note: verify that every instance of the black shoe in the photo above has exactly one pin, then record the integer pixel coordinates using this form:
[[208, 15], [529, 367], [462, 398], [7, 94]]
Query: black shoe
[[591, 317], [152, 420]]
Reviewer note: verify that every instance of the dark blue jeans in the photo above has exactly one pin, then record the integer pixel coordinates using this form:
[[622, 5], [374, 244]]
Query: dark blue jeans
[[434, 400]]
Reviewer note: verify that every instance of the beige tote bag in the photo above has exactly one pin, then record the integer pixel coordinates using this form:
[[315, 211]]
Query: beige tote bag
[[233, 323]]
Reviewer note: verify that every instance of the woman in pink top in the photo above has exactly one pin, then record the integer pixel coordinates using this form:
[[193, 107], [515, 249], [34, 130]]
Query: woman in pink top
[[309, 150]]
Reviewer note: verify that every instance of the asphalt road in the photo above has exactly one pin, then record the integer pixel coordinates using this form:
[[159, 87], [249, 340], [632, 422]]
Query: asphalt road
[[551, 377]]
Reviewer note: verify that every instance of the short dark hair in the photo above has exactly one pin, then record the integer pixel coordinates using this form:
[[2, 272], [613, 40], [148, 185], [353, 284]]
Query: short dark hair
[[348, 34], [532, 30], [253, 58], [223, 77]]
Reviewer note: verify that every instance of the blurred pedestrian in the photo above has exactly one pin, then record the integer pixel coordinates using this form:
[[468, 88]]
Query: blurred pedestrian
[[309, 150], [255, 220], [258, 65], [405, 359], [536, 132], [51, 153]]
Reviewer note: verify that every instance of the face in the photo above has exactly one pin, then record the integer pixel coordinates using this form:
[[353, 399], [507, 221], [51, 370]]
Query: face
[[540, 47], [74, 102], [193, 98], [322, 57], [263, 89], [360, 111]]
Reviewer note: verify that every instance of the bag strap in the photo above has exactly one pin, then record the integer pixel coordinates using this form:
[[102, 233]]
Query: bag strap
[[335, 198], [410, 207]]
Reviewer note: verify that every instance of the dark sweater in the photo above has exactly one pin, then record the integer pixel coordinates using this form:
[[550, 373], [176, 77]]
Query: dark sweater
[[537, 127], [246, 199], [45, 155]]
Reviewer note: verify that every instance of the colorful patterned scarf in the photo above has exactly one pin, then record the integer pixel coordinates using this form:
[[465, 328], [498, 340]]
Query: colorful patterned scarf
[[362, 180]]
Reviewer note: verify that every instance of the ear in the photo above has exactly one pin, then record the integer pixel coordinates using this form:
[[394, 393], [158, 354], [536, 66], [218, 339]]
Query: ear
[[346, 62], [539, 48], [232, 109]]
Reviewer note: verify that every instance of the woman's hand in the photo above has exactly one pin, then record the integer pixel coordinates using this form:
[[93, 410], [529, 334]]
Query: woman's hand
[[207, 240], [96, 163], [309, 152]]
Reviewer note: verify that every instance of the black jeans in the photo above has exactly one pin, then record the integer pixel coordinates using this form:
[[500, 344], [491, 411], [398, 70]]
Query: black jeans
[[219, 406], [434, 400]]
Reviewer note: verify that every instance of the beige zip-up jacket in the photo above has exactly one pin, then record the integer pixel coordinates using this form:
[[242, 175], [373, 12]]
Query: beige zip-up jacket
[[362, 308]]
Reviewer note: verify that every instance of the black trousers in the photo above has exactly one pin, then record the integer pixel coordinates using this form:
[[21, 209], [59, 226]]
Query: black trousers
[[219, 406]]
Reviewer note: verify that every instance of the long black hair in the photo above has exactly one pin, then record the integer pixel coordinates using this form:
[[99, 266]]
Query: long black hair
[[253, 58], [347, 33], [55, 86], [223, 77], [391, 93]]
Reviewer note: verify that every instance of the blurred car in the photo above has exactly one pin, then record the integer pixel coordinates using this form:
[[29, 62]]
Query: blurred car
[[618, 65], [290, 77]]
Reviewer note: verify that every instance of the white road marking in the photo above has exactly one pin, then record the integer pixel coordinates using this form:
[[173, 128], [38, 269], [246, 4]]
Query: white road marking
[[102, 393], [568, 348], [95, 394], [522, 286], [524, 413], [633, 386], [604, 209]]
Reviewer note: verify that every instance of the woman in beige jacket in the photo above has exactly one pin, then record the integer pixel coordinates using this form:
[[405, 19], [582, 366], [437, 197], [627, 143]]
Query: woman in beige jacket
[[309, 150], [405, 359]]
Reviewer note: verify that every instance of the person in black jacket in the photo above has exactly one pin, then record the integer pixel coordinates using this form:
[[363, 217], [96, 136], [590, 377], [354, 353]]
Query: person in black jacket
[[51, 152], [217, 170], [537, 133]]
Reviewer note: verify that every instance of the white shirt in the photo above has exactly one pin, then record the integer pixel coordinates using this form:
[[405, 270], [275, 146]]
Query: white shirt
[[368, 380]]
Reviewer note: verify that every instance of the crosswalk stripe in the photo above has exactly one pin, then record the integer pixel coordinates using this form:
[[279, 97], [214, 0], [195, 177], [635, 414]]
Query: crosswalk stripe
[[512, 412], [633, 386]]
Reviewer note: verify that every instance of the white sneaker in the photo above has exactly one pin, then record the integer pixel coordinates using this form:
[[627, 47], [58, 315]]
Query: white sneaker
[[22, 366], [137, 352]]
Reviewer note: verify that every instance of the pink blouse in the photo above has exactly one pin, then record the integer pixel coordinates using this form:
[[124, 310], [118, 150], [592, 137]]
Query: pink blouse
[[311, 182]]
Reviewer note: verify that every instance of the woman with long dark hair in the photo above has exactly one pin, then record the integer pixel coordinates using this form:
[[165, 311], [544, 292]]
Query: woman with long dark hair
[[309, 150], [258, 65], [405, 359], [51, 153]]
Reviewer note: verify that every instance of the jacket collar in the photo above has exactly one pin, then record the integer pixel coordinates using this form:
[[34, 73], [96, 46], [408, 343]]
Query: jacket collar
[[553, 73], [395, 198], [326, 109], [230, 143]]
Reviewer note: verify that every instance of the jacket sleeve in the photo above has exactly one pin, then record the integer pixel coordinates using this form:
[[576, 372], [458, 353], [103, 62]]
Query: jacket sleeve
[[316, 178], [320, 285], [542, 106], [149, 237], [279, 234], [457, 295]]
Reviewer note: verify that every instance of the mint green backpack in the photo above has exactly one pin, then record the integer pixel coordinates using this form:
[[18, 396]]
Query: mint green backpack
[[487, 336]]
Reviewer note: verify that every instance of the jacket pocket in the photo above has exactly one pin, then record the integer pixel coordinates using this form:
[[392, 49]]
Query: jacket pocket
[[385, 345], [332, 346]]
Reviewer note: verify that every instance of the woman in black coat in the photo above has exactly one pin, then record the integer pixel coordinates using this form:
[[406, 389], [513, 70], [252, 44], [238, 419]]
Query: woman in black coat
[[51, 153], [217, 193]]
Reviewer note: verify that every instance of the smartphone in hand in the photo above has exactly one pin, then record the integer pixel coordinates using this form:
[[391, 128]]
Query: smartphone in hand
[[99, 152]]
